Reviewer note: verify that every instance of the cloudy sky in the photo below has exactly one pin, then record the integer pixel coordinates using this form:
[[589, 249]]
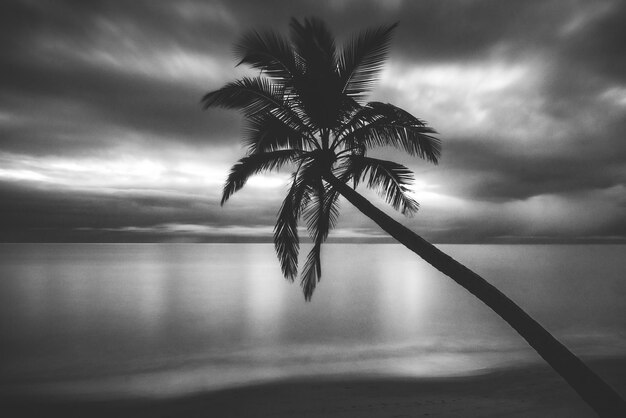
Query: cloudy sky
[[102, 137]]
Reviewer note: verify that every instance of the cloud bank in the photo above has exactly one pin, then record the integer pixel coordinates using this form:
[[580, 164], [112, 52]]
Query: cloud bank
[[102, 137]]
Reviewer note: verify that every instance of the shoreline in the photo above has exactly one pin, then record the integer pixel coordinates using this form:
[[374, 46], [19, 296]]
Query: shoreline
[[523, 391]]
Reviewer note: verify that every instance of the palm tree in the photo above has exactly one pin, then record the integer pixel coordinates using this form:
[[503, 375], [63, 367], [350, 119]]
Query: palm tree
[[306, 109]]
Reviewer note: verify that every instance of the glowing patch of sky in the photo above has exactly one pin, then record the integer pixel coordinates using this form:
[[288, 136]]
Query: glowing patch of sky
[[170, 63], [587, 12], [126, 172], [616, 96], [471, 98]]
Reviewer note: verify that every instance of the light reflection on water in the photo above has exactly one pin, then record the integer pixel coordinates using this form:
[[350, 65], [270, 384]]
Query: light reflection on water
[[169, 318]]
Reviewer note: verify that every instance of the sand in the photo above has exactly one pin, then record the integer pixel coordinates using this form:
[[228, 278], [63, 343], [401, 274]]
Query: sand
[[518, 392]]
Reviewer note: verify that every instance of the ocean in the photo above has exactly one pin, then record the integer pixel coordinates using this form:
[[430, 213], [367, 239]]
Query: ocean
[[168, 319]]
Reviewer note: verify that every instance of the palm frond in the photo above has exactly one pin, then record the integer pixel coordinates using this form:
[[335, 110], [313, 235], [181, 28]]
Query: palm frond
[[265, 132], [321, 216], [361, 60], [383, 124], [268, 51], [252, 95], [322, 212], [311, 272], [286, 241], [390, 179], [253, 164], [255, 96], [314, 43], [318, 86]]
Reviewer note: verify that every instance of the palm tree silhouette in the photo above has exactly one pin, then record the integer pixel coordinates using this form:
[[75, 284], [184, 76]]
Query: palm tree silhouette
[[307, 109]]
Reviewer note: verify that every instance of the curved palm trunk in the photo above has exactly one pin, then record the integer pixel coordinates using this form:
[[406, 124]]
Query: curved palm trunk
[[600, 396]]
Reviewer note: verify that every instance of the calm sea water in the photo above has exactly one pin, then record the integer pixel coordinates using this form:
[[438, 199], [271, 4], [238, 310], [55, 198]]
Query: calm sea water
[[163, 319]]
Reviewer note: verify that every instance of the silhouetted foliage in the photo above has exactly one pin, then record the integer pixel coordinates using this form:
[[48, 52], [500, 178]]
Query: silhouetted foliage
[[306, 108]]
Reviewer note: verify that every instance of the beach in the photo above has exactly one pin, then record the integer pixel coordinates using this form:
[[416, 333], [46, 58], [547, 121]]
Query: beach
[[530, 391]]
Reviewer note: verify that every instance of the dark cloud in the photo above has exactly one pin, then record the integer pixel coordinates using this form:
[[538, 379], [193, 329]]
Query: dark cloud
[[429, 30], [493, 172], [35, 213], [599, 44], [49, 70]]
